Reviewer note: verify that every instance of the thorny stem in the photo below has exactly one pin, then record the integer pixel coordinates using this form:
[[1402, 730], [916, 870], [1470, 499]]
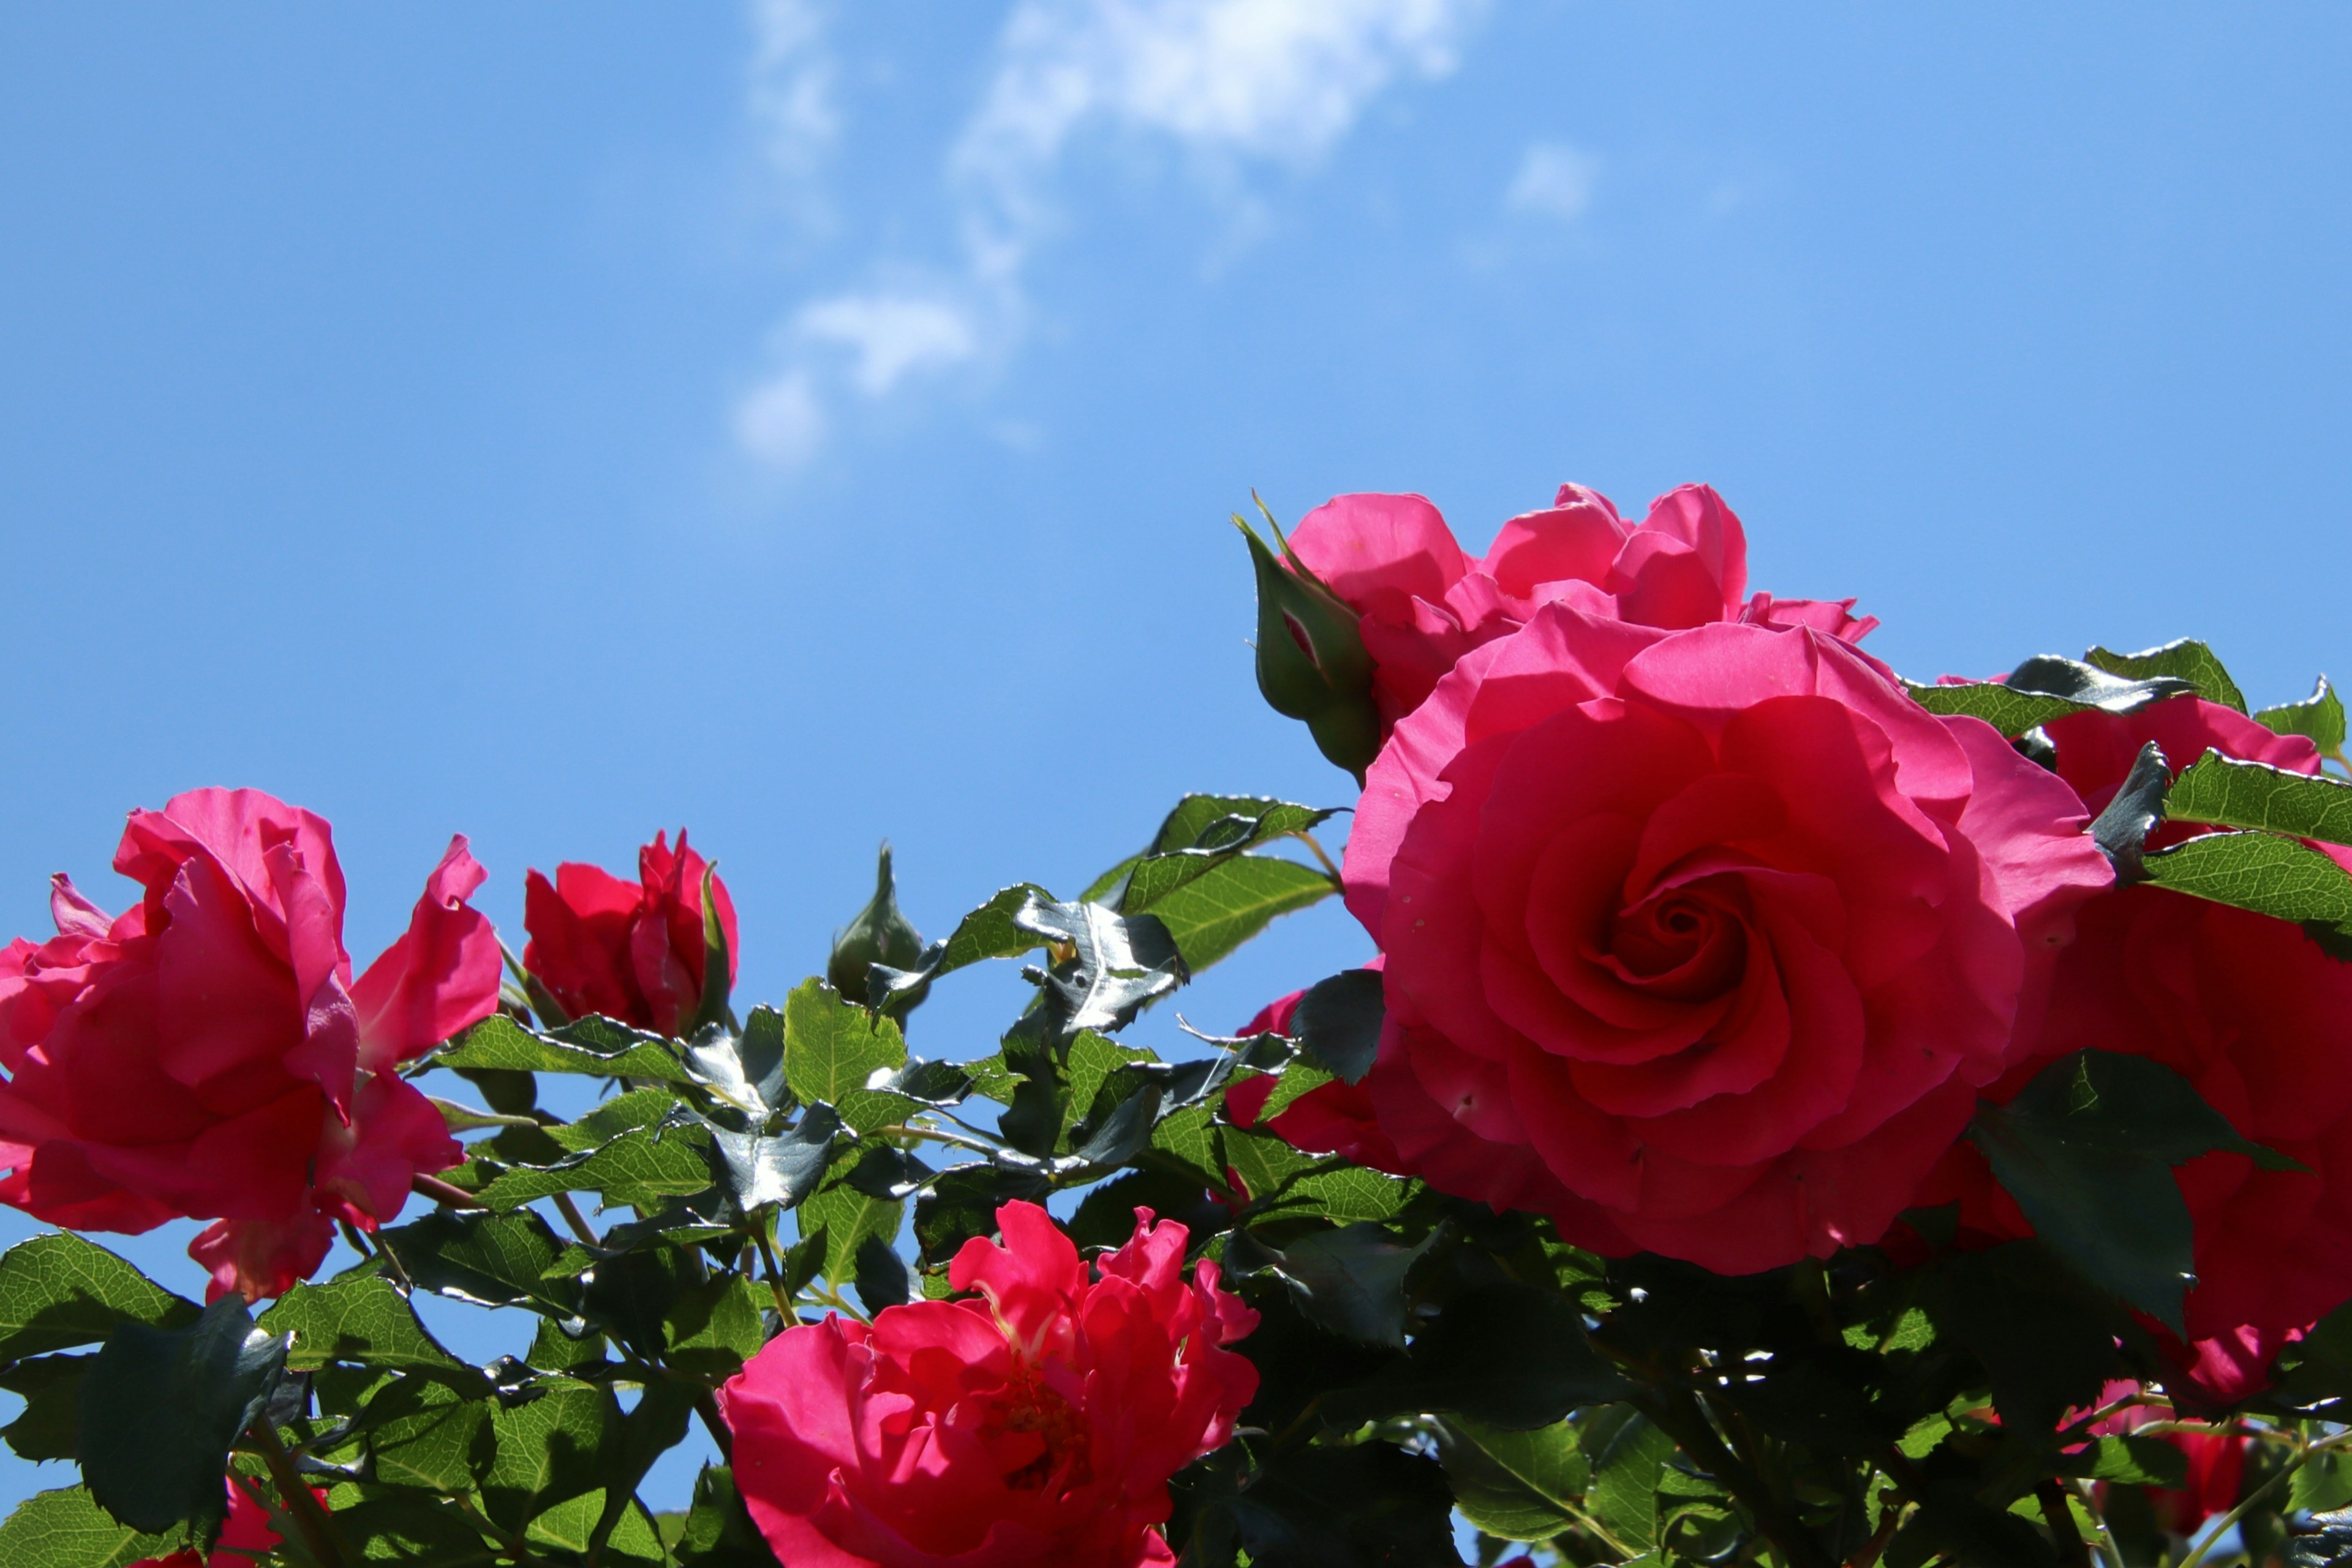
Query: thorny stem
[[707, 1406], [318, 1531], [2230, 1518], [2107, 1547]]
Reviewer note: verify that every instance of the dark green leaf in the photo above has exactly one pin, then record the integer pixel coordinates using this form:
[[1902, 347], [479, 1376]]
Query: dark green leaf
[[406, 1526], [1311, 663], [1351, 1281], [989, 932], [160, 1408], [2229, 792], [364, 1320], [2134, 1461], [496, 1260], [746, 1070], [1119, 964], [848, 1218], [634, 1441], [1338, 1022], [51, 1389], [883, 1279], [761, 1170], [66, 1529], [598, 1046], [2185, 660], [1107, 1216], [1507, 1354], [1125, 1132], [713, 1328], [886, 1170], [58, 1290], [548, 1449], [2320, 716], [640, 1167], [631, 1296], [1369, 1506], [425, 1435], [1295, 1082], [2121, 828], [881, 933], [932, 1083], [2085, 1150], [2047, 1342], [834, 1047], [1625, 1473], [1966, 1530], [1227, 905]]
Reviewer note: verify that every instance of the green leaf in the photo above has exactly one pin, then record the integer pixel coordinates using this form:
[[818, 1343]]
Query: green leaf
[[1624, 1494], [1510, 1354], [718, 963], [1201, 833], [962, 1204], [2229, 792], [496, 1260], [403, 1525], [832, 1046], [2046, 1338], [549, 1449], [2134, 1461], [1191, 1138], [51, 1389], [2267, 874], [882, 1278], [2186, 660], [2042, 688], [2085, 1150], [1311, 663], [2122, 826], [66, 1529], [715, 1327], [718, 1532], [1295, 1082], [425, 1435], [1215, 912], [598, 1046], [848, 1218], [881, 933], [363, 1320], [623, 1113], [1338, 1022], [1516, 1486], [640, 1167], [58, 1290], [2320, 716], [745, 1070], [160, 1408]]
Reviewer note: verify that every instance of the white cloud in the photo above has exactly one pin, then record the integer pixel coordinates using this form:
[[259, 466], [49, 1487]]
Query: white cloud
[[1555, 181], [890, 334], [781, 422], [790, 95], [1234, 81]]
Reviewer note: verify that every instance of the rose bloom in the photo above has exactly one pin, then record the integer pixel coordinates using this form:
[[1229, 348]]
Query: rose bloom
[[1331, 1119], [1037, 1424], [1424, 602], [207, 1053], [246, 1537], [1700, 941], [2246, 1008], [630, 951]]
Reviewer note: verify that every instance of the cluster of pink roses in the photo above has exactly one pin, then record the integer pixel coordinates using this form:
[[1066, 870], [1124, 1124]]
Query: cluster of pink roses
[[208, 1053], [1701, 936]]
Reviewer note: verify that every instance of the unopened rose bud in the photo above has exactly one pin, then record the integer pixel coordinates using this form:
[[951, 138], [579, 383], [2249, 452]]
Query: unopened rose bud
[[880, 934], [1311, 662]]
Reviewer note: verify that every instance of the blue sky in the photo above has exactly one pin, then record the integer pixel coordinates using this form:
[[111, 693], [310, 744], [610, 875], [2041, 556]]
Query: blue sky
[[814, 423]]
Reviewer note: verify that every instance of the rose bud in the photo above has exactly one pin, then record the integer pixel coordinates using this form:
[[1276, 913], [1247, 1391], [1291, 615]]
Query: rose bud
[[634, 952], [1311, 663], [880, 934]]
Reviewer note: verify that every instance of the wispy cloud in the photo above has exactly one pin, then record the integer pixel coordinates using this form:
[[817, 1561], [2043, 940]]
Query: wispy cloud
[[789, 95], [1236, 81], [1554, 181]]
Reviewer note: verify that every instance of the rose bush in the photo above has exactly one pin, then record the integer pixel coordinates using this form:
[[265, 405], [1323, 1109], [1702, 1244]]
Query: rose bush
[[1424, 602], [630, 951], [1701, 942], [1037, 1423], [207, 1053], [2251, 1012]]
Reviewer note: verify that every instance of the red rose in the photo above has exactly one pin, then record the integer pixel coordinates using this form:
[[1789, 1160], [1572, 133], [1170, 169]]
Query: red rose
[[1038, 1423], [2217, 1464], [207, 1053], [631, 950], [1334, 1119], [2250, 1012], [1701, 942], [1425, 602], [246, 1537]]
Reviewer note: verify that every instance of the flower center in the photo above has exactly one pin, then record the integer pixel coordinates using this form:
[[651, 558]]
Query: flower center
[[1030, 1409]]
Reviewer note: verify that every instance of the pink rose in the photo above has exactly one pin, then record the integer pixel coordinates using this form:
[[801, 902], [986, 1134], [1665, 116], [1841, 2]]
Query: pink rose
[[1037, 1424], [630, 951], [246, 1537], [1701, 942], [2250, 1013], [1425, 602], [207, 1053]]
